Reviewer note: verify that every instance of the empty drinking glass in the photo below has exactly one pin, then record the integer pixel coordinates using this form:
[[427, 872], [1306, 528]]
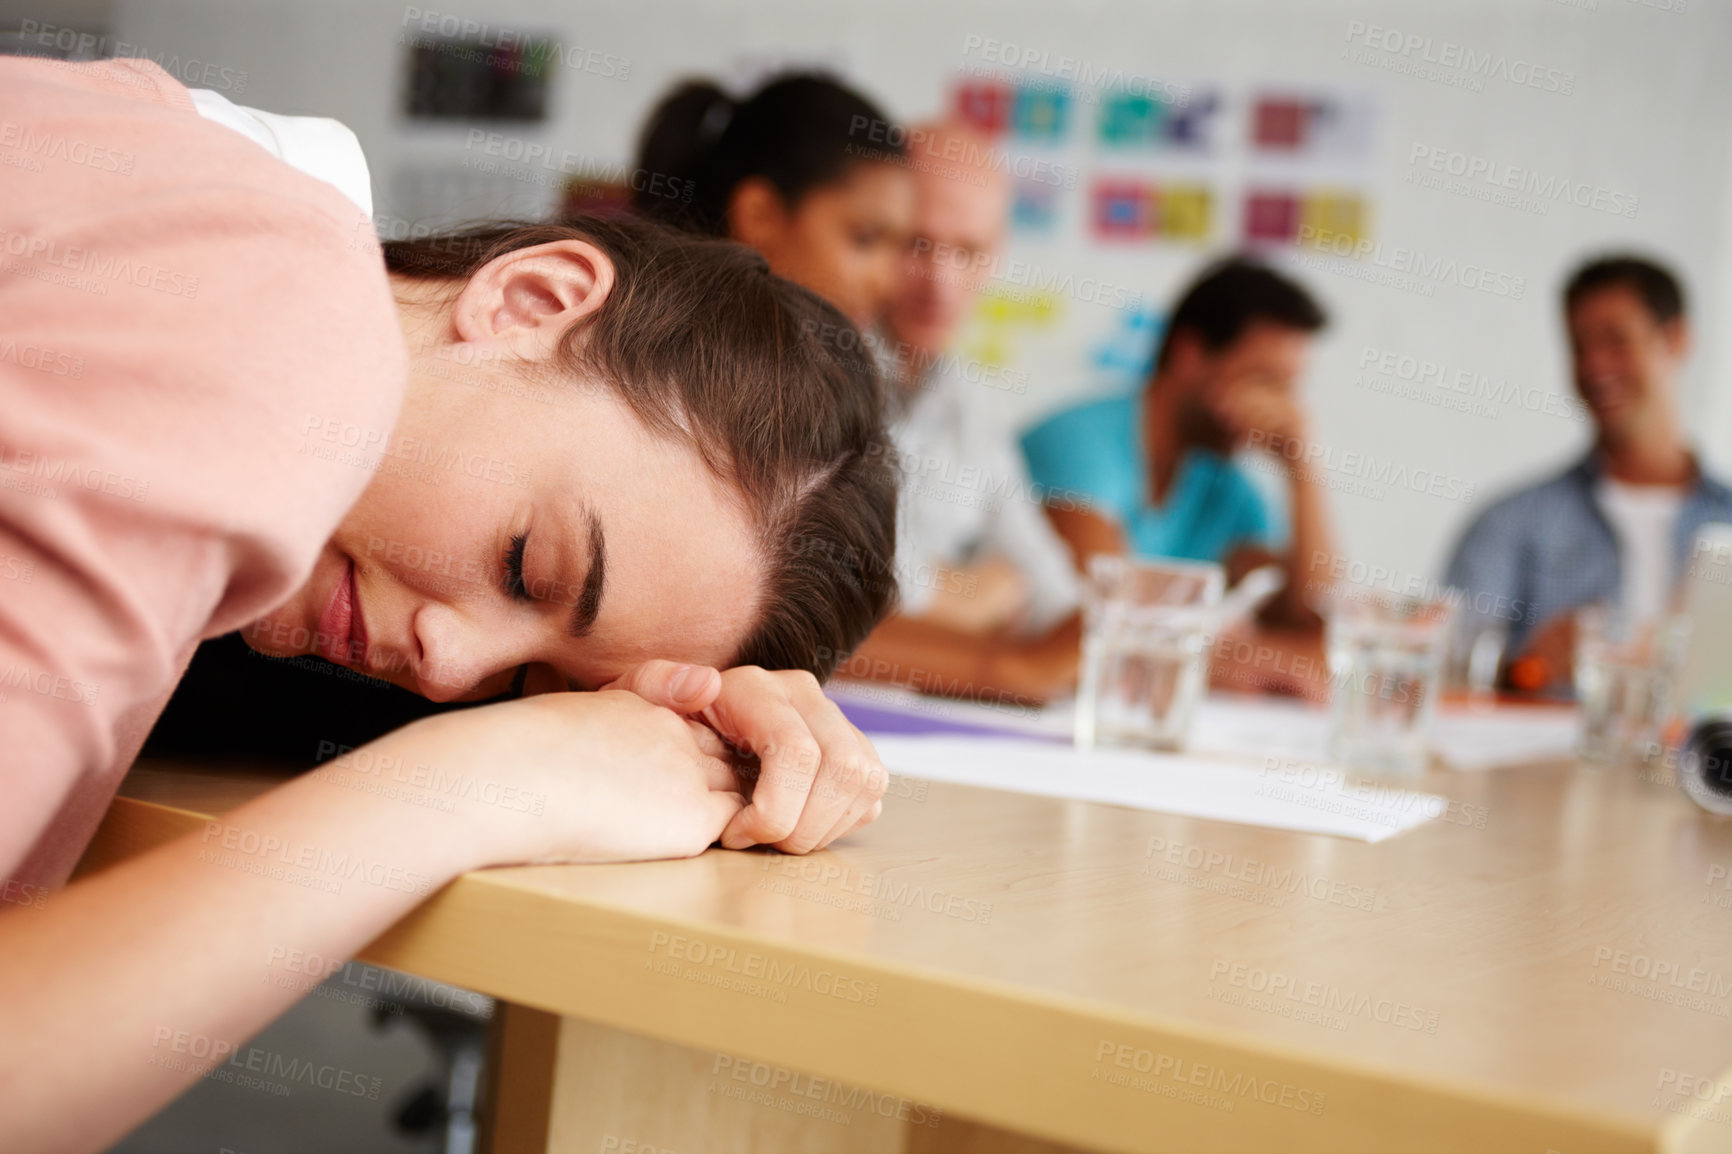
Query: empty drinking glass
[[1386, 657], [1147, 627], [1624, 668]]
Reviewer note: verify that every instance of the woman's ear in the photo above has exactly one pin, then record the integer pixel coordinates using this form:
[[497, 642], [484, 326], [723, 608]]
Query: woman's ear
[[756, 215], [528, 298]]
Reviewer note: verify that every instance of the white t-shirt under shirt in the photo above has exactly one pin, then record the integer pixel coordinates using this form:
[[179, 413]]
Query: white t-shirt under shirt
[[1644, 519]]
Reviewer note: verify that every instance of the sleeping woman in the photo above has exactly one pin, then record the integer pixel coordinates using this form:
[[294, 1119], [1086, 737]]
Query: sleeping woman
[[798, 170], [596, 456]]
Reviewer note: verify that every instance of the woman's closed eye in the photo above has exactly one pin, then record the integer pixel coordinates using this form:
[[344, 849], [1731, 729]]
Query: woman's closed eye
[[513, 568]]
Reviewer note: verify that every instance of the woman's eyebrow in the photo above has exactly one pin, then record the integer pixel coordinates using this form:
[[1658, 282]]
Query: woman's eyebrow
[[588, 605]]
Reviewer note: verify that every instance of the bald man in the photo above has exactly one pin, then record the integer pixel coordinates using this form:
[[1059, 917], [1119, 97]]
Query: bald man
[[989, 591]]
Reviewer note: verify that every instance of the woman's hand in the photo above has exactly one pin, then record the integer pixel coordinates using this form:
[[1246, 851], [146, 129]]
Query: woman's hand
[[562, 777], [818, 776]]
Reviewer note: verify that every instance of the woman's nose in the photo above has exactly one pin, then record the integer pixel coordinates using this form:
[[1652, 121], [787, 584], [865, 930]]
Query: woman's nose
[[457, 651]]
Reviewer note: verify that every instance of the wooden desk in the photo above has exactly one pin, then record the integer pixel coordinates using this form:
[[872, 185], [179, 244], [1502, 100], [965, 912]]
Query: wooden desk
[[1101, 978]]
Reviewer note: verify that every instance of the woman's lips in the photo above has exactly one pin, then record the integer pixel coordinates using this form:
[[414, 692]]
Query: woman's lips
[[357, 620], [342, 630]]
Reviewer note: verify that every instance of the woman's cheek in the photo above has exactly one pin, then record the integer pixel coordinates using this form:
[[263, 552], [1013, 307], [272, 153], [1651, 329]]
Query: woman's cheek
[[276, 635]]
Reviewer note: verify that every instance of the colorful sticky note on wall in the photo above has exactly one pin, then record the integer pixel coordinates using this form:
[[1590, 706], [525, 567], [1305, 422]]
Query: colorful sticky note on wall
[[1279, 123], [1328, 214], [1034, 206], [1271, 216], [1125, 356], [985, 104], [1013, 305], [1185, 212], [1191, 125], [1120, 209], [1042, 111], [1003, 312], [1130, 119]]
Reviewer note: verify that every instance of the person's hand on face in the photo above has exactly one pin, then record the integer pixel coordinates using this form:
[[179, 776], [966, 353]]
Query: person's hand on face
[[818, 776], [569, 777], [1250, 388], [1262, 409]]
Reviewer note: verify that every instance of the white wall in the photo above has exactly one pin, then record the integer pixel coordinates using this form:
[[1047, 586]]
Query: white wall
[[1647, 118]]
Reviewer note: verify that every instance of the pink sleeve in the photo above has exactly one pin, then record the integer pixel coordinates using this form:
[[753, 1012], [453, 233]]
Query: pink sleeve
[[177, 309]]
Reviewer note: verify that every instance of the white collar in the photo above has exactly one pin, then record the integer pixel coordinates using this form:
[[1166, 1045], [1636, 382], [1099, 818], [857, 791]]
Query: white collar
[[318, 146]]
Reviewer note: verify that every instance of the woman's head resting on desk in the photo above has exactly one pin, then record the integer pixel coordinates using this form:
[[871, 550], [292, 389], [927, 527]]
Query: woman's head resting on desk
[[805, 170], [618, 443]]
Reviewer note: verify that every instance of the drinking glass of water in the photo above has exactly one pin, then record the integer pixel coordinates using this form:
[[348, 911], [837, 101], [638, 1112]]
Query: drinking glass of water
[[1147, 627], [1624, 669], [1386, 655]]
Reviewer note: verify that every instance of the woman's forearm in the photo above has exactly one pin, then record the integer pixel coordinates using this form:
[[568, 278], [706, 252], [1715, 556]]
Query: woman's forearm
[[127, 986], [124, 988]]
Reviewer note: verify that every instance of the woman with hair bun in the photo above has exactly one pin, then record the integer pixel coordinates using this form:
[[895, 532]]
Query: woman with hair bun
[[800, 170]]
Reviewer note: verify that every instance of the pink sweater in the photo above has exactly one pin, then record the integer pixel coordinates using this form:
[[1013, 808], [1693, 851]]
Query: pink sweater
[[177, 309]]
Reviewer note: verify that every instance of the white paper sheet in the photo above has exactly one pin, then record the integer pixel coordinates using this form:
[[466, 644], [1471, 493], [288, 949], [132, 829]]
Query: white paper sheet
[[1258, 728], [1308, 799]]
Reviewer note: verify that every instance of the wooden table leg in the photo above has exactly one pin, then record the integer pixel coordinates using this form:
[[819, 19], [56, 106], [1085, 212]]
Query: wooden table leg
[[567, 1086], [522, 1055]]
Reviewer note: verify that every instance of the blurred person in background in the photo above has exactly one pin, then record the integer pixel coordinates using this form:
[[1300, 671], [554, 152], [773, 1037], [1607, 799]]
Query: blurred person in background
[[988, 593], [1157, 465], [800, 170], [1615, 527]]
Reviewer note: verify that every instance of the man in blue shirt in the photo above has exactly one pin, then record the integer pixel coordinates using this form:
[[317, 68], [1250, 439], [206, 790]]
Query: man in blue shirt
[[1616, 526], [1157, 466]]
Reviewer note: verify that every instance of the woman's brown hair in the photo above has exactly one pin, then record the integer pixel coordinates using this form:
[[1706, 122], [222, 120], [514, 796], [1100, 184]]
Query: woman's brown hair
[[765, 380]]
